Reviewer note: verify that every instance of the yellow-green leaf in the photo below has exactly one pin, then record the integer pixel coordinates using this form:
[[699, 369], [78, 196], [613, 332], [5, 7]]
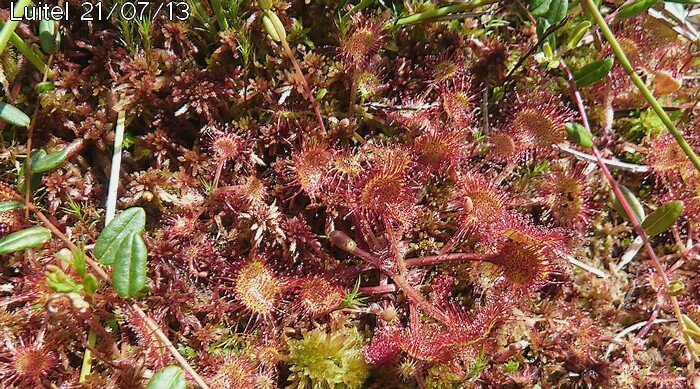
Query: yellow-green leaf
[[634, 8], [577, 33], [7, 206], [593, 72], [49, 37], [24, 239], [49, 162], [170, 377], [631, 199], [663, 218], [579, 135]]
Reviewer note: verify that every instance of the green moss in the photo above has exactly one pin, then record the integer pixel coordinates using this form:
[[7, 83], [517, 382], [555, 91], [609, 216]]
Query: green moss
[[328, 360]]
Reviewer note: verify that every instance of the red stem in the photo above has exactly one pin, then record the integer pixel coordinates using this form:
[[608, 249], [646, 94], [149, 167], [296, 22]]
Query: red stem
[[444, 258]]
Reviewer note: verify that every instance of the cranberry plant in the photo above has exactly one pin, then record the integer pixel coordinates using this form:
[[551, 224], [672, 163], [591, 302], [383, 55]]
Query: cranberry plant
[[347, 194]]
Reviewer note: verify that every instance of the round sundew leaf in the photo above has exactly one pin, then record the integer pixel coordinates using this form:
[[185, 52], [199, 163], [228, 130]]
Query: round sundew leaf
[[24, 239], [169, 377], [663, 218], [132, 220], [593, 72]]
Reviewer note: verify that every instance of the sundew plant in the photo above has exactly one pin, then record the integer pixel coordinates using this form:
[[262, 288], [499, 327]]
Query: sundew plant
[[349, 194]]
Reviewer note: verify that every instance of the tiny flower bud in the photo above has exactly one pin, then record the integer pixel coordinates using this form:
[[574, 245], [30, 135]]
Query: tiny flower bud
[[343, 241], [389, 315], [270, 28], [675, 288], [468, 205]]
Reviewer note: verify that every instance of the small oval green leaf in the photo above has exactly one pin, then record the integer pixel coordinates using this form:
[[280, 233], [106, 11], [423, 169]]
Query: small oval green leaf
[[129, 267], [542, 26], [593, 72], [24, 239], [675, 288], [7, 206], [577, 33], [631, 199], [579, 135], [132, 220], [44, 86], [634, 8], [13, 115], [34, 179], [169, 377], [49, 37], [270, 28], [557, 11], [49, 162], [539, 7], [663, 218]]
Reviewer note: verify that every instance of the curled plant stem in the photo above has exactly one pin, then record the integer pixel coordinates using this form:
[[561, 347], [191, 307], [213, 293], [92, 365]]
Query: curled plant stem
[[135, 308], [309, 95], [615, 46], [433, 14], [628, 209]]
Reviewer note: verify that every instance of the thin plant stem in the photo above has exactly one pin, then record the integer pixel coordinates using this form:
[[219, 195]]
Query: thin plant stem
[[150, 323], [446, 258], [615, 46], [115, 168], [27, 158], [309, 95], [110, 211], [433, 14], [627, 208], [86, 367], [414, 298]]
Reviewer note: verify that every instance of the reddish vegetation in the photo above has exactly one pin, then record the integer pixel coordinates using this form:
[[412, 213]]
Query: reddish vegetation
[[420, 235]]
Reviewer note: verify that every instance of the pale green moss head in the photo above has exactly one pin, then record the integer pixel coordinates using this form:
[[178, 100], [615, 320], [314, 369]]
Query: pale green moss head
[[327, 360]]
